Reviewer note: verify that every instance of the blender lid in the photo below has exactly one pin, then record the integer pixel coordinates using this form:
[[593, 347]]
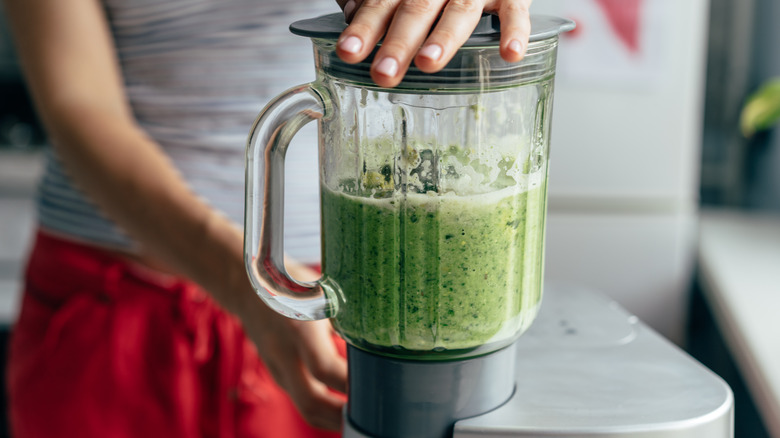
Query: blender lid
[[487, 31], [477, 66]]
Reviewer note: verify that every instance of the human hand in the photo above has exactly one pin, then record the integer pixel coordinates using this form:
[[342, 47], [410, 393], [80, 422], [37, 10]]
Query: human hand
[[405, 25], [303, 360], [302, 357]]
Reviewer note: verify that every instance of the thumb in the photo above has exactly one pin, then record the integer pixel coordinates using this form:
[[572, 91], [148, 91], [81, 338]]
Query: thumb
[[320, 354]]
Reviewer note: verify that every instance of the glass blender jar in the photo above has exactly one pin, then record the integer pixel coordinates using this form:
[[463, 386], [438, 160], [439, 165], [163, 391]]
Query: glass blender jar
[[433, 203]]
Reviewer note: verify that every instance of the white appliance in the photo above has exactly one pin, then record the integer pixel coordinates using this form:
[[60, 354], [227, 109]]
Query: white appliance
[[588, 368]]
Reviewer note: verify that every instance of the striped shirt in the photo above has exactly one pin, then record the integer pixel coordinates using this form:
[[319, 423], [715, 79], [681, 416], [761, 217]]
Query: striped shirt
[[196, 73]]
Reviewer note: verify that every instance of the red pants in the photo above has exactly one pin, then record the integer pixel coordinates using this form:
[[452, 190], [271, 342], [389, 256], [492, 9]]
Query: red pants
[[104, 349]]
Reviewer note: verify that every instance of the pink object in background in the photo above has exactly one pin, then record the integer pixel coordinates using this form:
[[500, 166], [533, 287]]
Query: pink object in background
[[623, 17]]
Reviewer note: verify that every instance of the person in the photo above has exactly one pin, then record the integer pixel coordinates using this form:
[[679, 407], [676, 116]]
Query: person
[[138, 317]]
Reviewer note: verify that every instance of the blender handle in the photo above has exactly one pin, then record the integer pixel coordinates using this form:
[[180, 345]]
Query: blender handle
[[271, 133]]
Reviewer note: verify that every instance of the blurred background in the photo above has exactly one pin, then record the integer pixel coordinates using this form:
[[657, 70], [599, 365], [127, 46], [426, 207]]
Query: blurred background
[[657, 198]]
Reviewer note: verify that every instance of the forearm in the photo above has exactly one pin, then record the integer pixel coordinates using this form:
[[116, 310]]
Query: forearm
[[72, 72], [136, 186]]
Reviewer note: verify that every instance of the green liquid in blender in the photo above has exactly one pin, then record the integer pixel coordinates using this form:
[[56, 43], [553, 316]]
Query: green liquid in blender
[[428, 274]]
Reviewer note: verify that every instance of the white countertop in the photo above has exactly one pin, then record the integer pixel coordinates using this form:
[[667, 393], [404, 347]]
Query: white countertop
[[740, 272]]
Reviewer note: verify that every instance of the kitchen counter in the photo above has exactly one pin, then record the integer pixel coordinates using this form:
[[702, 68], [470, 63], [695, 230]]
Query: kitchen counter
[[739, 261]]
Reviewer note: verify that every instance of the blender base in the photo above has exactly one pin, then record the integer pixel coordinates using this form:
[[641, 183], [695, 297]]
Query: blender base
[[392, 398]]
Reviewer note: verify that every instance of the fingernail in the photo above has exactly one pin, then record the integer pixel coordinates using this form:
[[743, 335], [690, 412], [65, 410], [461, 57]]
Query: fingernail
[[348, 8], [351, 44], [431, 51], [516, 47], [388, 67]]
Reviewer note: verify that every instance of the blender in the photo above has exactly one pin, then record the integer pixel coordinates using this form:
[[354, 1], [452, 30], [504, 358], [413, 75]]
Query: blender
[[433, 204]]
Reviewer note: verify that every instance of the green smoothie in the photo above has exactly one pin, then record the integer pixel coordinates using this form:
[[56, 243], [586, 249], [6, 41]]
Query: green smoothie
[[422, 272]]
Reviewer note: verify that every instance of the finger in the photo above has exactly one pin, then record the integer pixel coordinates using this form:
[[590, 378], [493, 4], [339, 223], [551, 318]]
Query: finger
[[366, 28], [456, 24], [349, 8], [322, 358], [411, 24], [316, 403], [515, 28]]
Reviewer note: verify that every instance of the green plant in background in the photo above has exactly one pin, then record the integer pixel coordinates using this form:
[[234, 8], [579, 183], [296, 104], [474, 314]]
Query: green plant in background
[[762, 109]]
